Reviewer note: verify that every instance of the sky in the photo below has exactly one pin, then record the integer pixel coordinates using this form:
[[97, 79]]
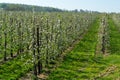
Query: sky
[[94, 5]]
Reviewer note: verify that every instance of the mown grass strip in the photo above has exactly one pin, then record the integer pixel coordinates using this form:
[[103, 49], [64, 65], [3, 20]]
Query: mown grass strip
[[80, 63], [15, 68], [113, 58], [114, 38]]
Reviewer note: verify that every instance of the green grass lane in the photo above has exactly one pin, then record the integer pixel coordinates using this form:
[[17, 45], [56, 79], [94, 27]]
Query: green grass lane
[[80, 63], [16, 68], [114, 57], [114, 38]]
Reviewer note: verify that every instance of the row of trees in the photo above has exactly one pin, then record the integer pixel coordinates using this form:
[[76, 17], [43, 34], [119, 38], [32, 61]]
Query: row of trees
[[42, 36]]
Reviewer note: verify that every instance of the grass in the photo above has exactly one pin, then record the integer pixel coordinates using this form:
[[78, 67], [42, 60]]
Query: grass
[[81, 64], [77, 64], [114, 57], [114, 38], [15, 68]]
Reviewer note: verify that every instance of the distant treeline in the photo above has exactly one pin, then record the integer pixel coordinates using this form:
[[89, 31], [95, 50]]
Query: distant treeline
[[22, 7]]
